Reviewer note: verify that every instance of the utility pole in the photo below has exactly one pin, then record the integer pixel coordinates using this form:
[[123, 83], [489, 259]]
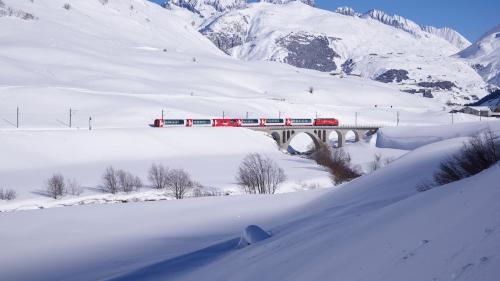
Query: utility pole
[[223, 114], [356, 119], [90, 123], [246, 115], [397, 118], [70, 115], [316, 115], [452, 121], [162, 115], [279, 114], [17, 117]]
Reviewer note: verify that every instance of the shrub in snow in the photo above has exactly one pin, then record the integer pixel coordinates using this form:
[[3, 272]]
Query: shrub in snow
[[73, 187], [479, 153], [67, 6], [104, 2], [253, 234], [310, 90], [158, 176], [55, 186], [259, 174], [179, 183], [7, 194], [337, 162], [376, 163]]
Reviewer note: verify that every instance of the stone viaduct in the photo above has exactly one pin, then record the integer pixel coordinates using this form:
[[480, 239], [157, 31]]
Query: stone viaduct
[[319, 134]]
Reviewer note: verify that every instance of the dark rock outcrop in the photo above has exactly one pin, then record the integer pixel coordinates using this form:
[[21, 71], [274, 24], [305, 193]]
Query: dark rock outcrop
[[443, 85], [309, 51], [392, 75], [348, 66]]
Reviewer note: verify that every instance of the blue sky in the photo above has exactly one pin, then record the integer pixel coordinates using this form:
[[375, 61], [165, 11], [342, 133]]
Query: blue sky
[[471, 18]]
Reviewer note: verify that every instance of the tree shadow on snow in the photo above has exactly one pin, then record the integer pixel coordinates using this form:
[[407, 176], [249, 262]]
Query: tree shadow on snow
[[174, 267]]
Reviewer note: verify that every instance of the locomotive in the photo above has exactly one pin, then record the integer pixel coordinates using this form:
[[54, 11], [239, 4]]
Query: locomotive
[[239, 122]]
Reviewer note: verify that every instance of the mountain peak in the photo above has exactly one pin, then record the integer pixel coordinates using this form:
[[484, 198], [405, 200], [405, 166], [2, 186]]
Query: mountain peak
[[347, 11], [307, 2], [201, 6], [394, 20]]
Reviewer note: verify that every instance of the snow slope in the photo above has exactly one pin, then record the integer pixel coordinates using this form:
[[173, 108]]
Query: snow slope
[[374, 228], [121, 64], [484, 55], [367, 45]]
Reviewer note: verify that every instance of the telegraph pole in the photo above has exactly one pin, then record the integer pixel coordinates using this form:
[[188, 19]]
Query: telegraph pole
[[162, 115], [90, 123], [397, 118], [356, 119], [223, 114], [17, 117], [70, 115], [246, 115], [452, 121]]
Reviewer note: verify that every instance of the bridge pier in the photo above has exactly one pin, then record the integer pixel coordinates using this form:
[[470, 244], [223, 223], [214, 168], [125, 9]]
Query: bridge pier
[[283, 135]]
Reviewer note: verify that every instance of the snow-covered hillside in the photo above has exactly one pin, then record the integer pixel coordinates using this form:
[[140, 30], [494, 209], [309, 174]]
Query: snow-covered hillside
[[377, 227], [484, 56], [121, 63], [389, 49]]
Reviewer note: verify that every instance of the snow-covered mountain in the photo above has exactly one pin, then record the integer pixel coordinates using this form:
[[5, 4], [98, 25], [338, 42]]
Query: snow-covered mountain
[[206, 8], [449, 35], [484, 56], [373, 45]]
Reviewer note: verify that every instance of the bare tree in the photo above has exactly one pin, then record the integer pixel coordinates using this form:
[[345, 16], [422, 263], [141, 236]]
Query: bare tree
[[110, 180], [7, 194], [55, 186], [128, 182], [73, 187], [158, 176], [259, 174], [179, 183]]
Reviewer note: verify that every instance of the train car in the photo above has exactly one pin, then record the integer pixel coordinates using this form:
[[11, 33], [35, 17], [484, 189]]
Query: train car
[[251, 122], [158, 123], [299, 122], [199, 123], [326, 122], [226, 122], [170, 123], [273, 122]]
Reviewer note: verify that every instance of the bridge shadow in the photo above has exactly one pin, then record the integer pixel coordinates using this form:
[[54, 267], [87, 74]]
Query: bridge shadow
[[173, 268]]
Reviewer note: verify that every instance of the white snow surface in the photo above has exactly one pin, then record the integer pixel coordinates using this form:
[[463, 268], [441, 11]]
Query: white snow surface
[[122, 66], [375, 228]]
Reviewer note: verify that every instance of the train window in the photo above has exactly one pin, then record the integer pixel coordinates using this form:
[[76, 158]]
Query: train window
[[301, 120], [202, 122], [250, 121], [274, 121], [173, 122]]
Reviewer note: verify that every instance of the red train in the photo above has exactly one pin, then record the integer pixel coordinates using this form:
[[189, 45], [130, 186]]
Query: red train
[[256, 122]]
